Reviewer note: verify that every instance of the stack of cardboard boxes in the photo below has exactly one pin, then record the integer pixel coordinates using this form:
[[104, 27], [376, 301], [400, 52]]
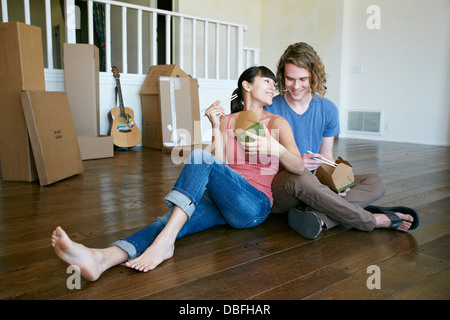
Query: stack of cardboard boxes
[[38, 139], [46, 135]]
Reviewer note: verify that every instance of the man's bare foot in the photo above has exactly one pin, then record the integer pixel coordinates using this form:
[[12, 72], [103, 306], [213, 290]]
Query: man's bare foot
[[160, 250], [92, 262], [384, 222]]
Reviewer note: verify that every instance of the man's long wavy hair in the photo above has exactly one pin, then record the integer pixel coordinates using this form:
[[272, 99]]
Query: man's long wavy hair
[[304, 56]]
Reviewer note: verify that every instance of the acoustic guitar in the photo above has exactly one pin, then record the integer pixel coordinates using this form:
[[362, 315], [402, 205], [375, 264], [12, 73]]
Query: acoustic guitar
[[124, 131]]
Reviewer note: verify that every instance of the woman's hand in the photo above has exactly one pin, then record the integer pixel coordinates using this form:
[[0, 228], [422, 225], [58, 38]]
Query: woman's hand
[[214, 112], [266, 145]]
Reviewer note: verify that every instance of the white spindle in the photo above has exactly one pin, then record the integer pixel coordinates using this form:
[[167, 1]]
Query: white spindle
[[70, 21], [217, 50], [124, 41], [154, 39], [228, 52], [181, 43], [90, 21], [26, 9], [239, 50], [194, 48], [48, 28], [139, 43], [205, 52], [256, 57], [168, 38], [4, 10], [247, 58], [108, 36]]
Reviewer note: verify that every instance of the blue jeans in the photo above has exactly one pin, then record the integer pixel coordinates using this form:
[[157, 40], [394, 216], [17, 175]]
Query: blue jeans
[[211, 194]]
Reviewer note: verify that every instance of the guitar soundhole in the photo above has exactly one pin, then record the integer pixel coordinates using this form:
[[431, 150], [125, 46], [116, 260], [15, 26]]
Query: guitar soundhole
[[123, 118]]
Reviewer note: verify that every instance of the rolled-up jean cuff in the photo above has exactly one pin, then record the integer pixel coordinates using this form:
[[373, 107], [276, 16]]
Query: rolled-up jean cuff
[[127, 247], [176, 198]]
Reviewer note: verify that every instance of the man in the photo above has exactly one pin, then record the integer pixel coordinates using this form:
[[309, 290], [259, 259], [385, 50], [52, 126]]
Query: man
[[315, 121]]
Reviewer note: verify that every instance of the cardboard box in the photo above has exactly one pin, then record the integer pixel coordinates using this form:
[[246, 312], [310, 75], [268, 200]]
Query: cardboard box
[[52, 135], [337, 179], [180, 111], [22, 65], [95, 147], [81, 78], [150, 104]]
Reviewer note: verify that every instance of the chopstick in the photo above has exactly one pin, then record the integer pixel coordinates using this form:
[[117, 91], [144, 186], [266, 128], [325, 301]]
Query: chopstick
[[222, 102], [325, 160]]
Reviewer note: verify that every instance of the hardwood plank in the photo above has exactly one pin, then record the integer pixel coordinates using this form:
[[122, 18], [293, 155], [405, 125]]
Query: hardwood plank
[[396, 274], [434, 287]]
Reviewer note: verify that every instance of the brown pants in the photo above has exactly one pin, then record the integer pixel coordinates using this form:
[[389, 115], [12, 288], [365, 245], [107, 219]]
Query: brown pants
[[307, 193]]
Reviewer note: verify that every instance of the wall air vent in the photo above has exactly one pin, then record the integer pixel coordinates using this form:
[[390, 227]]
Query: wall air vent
[[364, 121]]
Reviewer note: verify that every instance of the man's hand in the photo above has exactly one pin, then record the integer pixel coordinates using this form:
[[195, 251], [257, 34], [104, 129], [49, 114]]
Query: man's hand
[[344, 193], [310, 163]]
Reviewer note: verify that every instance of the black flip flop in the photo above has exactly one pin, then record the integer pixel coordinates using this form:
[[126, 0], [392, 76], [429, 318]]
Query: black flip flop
[[396, 220], [305, 223]]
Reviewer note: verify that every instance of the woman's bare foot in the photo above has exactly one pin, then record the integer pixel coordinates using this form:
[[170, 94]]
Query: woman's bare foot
[[92, 262], [384, 222], [160, 250]]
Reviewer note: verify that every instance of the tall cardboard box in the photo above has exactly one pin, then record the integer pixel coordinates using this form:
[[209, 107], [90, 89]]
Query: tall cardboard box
[[180, 112], [52, 135], [81, 79], [151, 112], [22, 68]]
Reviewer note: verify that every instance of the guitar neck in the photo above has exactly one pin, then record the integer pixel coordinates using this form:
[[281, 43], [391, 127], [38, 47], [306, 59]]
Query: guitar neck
[[119, 92]]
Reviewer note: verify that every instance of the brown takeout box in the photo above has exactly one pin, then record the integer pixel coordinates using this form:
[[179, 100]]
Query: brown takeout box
[[248, 121], [337, 179]]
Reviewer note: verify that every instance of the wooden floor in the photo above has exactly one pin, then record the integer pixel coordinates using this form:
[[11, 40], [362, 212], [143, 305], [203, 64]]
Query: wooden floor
[[115, 197]]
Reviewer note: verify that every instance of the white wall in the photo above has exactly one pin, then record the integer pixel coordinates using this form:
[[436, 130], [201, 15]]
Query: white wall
[[405, 68], [317, 22], [405, 64]]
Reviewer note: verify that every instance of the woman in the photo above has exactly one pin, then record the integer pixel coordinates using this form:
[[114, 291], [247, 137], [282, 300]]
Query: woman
[[233, 186]]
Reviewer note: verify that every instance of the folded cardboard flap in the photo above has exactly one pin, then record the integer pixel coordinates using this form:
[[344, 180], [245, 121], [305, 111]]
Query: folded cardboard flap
[[52, 135], [150, 85], [248, 121], [337, 179]]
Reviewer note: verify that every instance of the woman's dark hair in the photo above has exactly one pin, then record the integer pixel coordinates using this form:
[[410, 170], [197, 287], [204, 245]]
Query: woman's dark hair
[[248, 75]]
